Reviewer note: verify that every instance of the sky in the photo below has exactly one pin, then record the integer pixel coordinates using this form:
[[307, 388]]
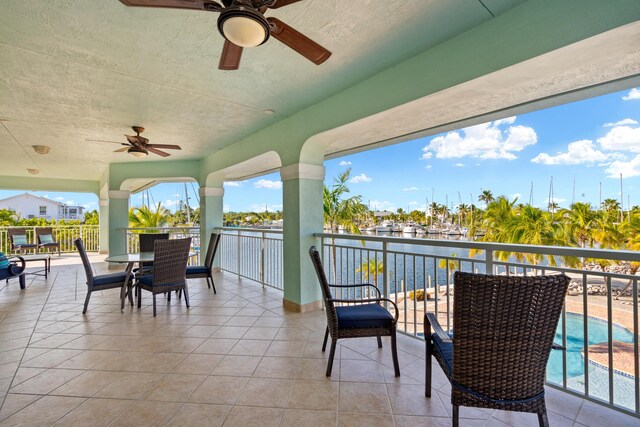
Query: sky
[[589, 142]]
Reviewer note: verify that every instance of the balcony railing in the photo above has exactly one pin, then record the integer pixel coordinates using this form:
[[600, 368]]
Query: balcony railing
[[65, 235], [253, 253], [598, 325], [132, 240]]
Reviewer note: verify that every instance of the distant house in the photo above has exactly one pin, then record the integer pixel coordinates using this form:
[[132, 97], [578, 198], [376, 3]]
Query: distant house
[[31, 206]]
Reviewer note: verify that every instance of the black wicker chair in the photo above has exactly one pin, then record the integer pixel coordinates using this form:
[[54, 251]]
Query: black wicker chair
[[206, 270], [14, 270], [147, 240], [502, 336], [46, 240], [20, 242], [104, 281], [169, 270], [357, 318]]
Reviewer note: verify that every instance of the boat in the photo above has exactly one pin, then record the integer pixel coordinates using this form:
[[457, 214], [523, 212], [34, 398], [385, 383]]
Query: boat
[[420, 231], [409, 229], [396, 228], [453, 231], [433, 230], [382, 229]]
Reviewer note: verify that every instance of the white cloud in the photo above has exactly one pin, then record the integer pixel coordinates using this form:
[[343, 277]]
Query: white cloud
[[70, 202], [428, 167], [226, 208], [265, 183], [484, 141], [516, 196], [627, 169], [410, 189], [358, 179], [632, 95], [412, 203], [622, 122], [555, 199], [170, 204], [578, 152], [233, 183], [344, 163], [622, 138], [459, 165], [60, 198]]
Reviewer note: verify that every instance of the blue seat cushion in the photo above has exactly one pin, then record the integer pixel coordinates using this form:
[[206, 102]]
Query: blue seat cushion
[[363, 316], [110, 278], [46, 239], [446, 351], [197, 269], [148, 280]]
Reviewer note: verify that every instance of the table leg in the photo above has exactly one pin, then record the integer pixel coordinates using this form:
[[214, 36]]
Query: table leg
[[125, 286]]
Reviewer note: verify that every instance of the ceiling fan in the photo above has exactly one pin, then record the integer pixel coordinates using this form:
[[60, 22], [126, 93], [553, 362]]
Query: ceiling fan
[[242, 23], [138, 146]]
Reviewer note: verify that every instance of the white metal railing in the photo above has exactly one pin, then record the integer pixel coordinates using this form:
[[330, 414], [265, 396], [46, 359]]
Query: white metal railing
[[253, 253], [63, 234], [132, 240], [599, 323]]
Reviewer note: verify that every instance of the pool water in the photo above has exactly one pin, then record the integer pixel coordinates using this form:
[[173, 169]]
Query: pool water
[[575, 343]]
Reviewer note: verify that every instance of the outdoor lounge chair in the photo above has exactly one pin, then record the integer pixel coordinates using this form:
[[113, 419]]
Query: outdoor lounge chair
[[502, 336], [20, 242], [169, 270], [206, 270], [147, 241], [357, 318], [11, 269], [103, 281], [46, 240]]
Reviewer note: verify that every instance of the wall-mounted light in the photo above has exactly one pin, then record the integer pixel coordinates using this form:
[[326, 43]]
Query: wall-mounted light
[[242, 26], [33, 171], [41, 149]]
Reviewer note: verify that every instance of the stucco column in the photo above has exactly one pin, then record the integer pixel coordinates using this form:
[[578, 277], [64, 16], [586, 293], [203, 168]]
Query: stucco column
[[104, 225], [303, 216], [118, 220], [211, 216]]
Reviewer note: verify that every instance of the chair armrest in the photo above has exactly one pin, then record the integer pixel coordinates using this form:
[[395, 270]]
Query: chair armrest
[[555, 346], [431, 322], [376, 300], [15, 269], [360, 285]]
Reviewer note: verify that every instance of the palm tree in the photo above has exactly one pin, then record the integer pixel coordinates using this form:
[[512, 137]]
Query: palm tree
[[145, 217], [486, 197], [340, 211], [371, 270], [579, 220]]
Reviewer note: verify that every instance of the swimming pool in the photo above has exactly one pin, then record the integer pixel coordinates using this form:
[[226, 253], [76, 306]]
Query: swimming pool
[[575, 343]]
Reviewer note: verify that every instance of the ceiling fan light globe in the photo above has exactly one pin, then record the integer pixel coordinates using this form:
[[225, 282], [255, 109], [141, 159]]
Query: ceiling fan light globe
[[137, 152], [243, 26]]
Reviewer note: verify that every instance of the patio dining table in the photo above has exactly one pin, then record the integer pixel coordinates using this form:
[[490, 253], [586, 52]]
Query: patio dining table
[[131, 259]]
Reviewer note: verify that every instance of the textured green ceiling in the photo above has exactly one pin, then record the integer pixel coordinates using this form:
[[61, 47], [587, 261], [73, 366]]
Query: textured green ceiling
[[89, 69]]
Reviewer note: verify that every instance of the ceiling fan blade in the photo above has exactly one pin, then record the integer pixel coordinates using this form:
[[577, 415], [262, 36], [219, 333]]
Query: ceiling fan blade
[[101, 140], [230, 58], [298, 42], [207, 5], [165, 146], [121, 150], [282, 3], [158, 152]]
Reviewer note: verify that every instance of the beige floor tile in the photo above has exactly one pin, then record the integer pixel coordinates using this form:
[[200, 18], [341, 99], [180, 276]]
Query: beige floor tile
[[198, 414], [260, 333], [196, 363], [316, 369], [250, 347], [146, 413], [364, 397], [243, 416], [46, 382], [407, 399], [361, 371], [15, 402], [364, 420], [308, 418], [201, 331], [415, 421], [174, 387], [292, 334], [87, 384], [230, 332], [130, 385], [269, 392], [219, 390], [44, 411], [181, 345], [277, 367], [286, 348], [242, 321], [241, 366], [216, 346], [318, 395], [23, 374], [95, 412], [51, 358]]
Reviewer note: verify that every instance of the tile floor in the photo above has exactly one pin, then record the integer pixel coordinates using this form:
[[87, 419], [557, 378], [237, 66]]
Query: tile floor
[[232, 359]]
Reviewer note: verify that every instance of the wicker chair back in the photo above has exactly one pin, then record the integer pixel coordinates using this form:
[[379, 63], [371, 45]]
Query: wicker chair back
[[214, 241], [147, 240], [85, 260], [330, 309], [170, 262]]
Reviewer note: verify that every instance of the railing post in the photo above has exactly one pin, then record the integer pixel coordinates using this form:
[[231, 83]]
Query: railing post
[[262, 258], [385, 277], [488, 257], [239, 254]]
